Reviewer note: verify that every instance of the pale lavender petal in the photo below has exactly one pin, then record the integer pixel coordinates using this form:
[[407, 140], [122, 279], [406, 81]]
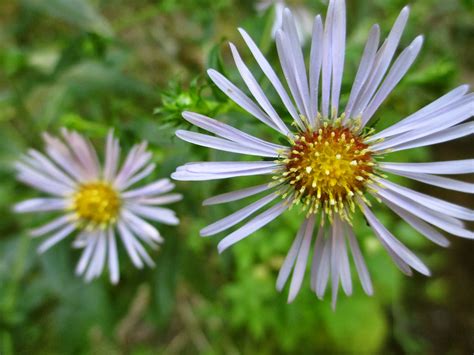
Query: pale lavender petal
[[252, 226], [361, 267], [225, 145], [270, 74], [382, 62], [56, 238], [113, 257], [290, 258], [366, 64], [315, 63], [41, 205], [440, 181], [236, 217], [157, 187], [443, 102], [396, 73], [446, 135], [228, 132], [301, 260], [236, 195], [440, 167], [433, 203], [127, 239], [159, 214], [257, 91], [51, 226], [439, 220], [402, 251], [338, 43], [236, 95], [422, 227]]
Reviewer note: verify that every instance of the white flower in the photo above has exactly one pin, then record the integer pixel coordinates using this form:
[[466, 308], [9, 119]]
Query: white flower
[[332, 162], [97, 203]]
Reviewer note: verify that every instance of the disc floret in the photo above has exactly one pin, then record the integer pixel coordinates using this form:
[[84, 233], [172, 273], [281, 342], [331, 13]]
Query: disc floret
[[96, 204], [325, 168]]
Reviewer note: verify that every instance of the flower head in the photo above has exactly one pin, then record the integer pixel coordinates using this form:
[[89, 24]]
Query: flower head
[[331, 164], [96, 202]]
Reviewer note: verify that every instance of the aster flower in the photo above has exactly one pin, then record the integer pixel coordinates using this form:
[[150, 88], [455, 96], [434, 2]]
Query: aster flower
[[332, 161], [96, 203]]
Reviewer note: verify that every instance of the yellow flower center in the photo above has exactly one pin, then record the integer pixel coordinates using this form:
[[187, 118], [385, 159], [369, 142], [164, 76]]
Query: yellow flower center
[[97, 203], [326, 169]]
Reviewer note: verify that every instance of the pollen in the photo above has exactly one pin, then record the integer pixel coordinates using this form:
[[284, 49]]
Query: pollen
[[326, 168], [96, 204]]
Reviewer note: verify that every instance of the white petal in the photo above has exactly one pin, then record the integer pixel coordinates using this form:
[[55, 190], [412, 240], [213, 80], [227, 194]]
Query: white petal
[[315, 63], [154, 188], [382, 62], [142, 229], [255, 224], [113, 257], [338, 43], [296, 54], [361, 267], [433, 203], [97, 262], [236, 217], [439, 167], [290, 258], [183, 174], [402, 251], [45, 165], [225, 145], [322, 276], [236, 195], [161, 200], [327, 61], [236, 95], [446, 135], [91, 240], [127, 239], [440, 181], [41, 205], [139, 176], [366, 64], [270, 74], [442, 120], [228, 132], [396, 73], [51, 226], [447, 100], [437, 219], [41, 181], [56, 238], [422, 227], [159, 214], [84, 153], [257, 92], [301, 260], [226, 166], [317, 255], [341, 257], [112, 156]]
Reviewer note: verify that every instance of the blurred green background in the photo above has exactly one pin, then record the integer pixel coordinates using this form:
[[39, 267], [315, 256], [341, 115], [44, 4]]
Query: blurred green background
[[135, 65]]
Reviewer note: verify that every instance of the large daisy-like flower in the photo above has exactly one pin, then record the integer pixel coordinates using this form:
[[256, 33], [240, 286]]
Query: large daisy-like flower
[[96, 203], [332, 161]]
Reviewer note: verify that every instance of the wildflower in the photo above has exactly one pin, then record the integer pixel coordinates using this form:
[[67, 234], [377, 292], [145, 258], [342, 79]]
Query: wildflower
[[332, 161], [96, 203]]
